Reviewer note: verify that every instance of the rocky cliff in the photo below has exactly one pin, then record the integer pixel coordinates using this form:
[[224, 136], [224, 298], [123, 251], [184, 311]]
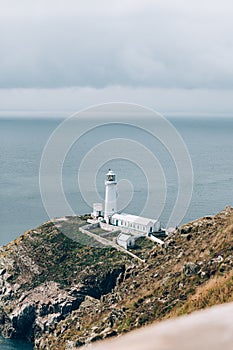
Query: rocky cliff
[[61, 294]]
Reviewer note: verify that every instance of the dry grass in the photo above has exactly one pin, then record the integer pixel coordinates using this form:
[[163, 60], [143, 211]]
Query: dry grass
[[223, 235], [217, 290]]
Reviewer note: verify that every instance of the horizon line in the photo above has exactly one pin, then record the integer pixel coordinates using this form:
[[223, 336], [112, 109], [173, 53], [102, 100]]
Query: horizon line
[[64, 113]]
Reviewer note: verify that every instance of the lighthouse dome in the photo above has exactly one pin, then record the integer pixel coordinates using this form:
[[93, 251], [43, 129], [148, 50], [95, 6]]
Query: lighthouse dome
[[111, 176]]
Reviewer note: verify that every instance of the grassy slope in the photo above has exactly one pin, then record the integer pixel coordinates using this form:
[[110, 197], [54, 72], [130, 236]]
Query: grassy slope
[[160, 288]]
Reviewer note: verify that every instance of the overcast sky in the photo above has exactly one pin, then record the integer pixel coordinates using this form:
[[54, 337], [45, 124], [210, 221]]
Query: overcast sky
[[174, 56]]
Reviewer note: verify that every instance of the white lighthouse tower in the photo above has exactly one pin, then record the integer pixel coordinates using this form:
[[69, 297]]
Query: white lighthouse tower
[[110, 195]]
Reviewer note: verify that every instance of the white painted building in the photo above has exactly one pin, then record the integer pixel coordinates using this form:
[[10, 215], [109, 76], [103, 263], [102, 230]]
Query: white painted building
[[125, 241], [110, 195], [97, 210], [135, 223]]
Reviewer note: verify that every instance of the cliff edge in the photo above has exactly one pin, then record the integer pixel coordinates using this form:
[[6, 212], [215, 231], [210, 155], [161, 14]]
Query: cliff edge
[[61, 294]]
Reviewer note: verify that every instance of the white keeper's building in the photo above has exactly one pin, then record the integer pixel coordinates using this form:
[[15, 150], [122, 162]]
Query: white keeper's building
[[135, 223], [126, 241]]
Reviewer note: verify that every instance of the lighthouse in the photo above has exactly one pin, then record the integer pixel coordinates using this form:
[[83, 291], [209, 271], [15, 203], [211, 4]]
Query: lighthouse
[[110, 195]]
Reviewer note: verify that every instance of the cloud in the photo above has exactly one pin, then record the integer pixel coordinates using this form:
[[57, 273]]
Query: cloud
[[156, 44]]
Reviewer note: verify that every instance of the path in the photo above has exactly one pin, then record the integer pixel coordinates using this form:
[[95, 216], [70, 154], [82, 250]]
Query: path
[[85, 229]]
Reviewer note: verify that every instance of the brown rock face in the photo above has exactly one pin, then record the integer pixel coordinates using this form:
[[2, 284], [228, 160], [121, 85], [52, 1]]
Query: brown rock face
[[45, 276]]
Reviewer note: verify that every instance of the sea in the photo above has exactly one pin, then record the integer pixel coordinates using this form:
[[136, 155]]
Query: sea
[[209, 142]]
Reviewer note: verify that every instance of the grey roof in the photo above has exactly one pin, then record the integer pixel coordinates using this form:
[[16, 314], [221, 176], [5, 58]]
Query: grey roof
[[134, 219], [123, 237]]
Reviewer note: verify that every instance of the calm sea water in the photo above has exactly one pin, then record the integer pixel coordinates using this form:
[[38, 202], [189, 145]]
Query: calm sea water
[[8, 344], [209, 141]]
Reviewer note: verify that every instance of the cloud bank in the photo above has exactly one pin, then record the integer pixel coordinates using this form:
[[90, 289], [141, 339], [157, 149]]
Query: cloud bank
[[98, 44]]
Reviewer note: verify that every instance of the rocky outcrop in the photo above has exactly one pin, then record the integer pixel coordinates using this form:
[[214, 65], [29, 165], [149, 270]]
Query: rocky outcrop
[[190, 269], [39, 310]]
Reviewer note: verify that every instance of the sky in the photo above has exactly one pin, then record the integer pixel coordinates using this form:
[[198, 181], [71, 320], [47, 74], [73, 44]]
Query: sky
[[171, 55]]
